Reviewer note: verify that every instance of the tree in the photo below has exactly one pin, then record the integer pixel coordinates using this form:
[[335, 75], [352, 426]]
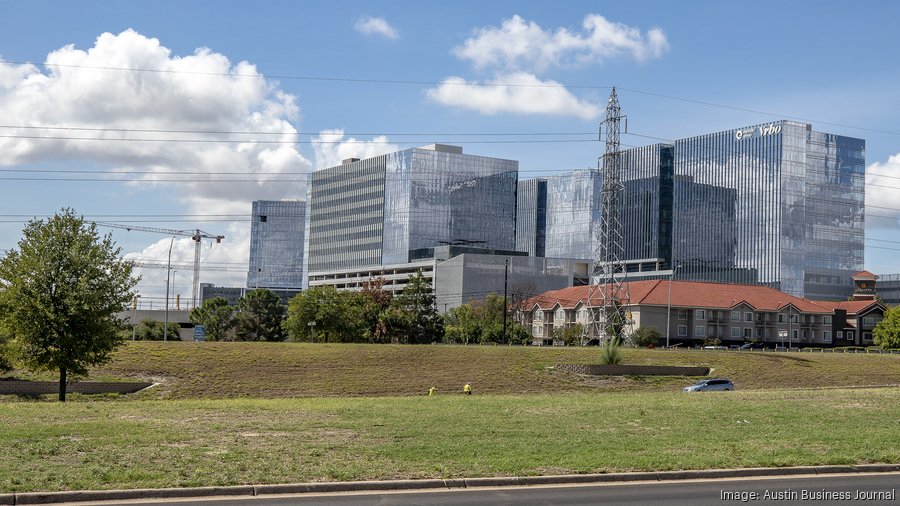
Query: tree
[[259, 316], [482, 321], [323, 314], [375, 300], [412, 317], [153, 330], [570, 335], [646, 336], [61, 291], [217, 316], [887, 332]]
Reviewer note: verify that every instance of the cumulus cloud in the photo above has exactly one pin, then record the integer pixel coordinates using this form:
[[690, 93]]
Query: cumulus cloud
[[331, 148], [520, 44], [140, 118], [376, 26], [517, 92], [166, 93], [881, 195]]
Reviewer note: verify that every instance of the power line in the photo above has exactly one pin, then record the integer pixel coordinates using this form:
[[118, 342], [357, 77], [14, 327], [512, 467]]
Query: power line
[[454, 83]]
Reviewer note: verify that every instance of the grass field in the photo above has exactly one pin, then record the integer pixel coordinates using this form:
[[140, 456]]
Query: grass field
[[169, 443], [276, 370]]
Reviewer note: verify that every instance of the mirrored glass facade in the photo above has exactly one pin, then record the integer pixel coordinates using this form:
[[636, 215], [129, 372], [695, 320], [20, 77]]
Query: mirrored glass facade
[[531, 216], [573, 214], [776, 204], [376, 211], [798, 208], [276, 244]]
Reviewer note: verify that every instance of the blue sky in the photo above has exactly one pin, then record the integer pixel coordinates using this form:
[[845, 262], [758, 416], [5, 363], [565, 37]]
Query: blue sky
[[826, 62]]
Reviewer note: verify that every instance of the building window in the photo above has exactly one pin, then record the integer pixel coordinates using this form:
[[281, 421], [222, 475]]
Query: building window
[[748, 332], [263, 218], [735, 316], [794, 335], [839, 334], [700, 331], [748, 317], [735, 332], [826, 336], [759, 331], [699, 314], [827, 320], [867, 336], [780, 317], [869, 321], [682, 330], [682, 315]]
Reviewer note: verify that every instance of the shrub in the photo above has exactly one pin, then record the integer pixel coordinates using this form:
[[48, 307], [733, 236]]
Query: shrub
[[611, 354]]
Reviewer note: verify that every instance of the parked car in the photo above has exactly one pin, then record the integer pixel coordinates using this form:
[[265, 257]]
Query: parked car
[[752, 346], [711, 385]]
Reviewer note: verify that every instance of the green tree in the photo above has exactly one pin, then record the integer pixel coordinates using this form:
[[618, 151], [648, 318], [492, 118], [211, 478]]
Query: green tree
[[412, 317], [323, 314], [887, 332], [62, 289], [646, 336], [481, 321], [217, 316], [260, 314], [153, 330], [570, 335]]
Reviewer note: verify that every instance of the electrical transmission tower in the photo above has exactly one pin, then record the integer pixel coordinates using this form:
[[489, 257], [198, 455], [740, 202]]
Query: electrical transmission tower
[[608, 299]]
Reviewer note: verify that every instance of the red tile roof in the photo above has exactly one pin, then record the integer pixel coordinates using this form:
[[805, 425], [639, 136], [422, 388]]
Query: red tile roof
[[864, 275], [689, 294], [851, 306]]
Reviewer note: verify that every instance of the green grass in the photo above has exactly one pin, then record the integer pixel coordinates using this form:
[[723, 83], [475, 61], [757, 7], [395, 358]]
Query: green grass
[[278, 370], [152, 443]]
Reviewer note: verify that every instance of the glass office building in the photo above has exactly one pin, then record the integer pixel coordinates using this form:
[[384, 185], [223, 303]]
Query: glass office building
[[799, 198], [531, 216], [776, 204], [381, 210], [573, 214], [276, 244]]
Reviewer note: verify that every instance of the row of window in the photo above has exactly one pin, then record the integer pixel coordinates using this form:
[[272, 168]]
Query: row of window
[[736, 333], [701, 314]]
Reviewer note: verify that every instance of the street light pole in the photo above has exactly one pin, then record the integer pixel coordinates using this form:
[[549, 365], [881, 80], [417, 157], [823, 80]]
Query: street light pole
[[168, 272], [669, 305], [134, 314]]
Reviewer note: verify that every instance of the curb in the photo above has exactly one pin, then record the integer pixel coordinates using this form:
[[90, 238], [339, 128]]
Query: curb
[[395, 485]]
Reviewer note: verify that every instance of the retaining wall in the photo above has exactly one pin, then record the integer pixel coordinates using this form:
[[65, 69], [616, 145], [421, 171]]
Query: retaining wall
[[633, 370]]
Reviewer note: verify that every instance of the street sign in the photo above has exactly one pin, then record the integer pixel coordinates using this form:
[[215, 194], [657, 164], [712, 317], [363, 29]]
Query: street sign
[[199, 332]]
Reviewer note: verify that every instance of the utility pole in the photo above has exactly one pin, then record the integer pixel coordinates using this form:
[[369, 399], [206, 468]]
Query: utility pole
[[168, 271], [505, 307], [610, 291]]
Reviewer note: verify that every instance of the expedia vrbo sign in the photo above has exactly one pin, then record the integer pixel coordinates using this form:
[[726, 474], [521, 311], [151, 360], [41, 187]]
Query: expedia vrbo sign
[[761, 131]]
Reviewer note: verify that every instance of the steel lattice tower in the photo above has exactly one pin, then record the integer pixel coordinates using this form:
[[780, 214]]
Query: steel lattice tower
[[608, 299]]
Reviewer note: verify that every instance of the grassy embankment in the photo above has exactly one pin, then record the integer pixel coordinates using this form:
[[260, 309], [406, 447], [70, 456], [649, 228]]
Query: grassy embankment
[[272, 370], [227, 413]]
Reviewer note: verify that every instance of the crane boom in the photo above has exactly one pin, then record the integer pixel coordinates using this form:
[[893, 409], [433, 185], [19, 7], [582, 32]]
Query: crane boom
[[197, 235]]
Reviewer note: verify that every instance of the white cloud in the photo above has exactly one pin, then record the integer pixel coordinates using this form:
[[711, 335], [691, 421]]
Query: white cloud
[[884, 199], [331, 148], [376, 26], [520, 44], [517, 92], [203, 91]]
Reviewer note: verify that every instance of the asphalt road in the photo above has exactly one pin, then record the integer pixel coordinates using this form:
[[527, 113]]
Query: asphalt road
[[789, 490]]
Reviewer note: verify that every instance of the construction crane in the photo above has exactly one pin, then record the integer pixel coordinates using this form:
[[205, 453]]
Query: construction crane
[[197, 235]]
